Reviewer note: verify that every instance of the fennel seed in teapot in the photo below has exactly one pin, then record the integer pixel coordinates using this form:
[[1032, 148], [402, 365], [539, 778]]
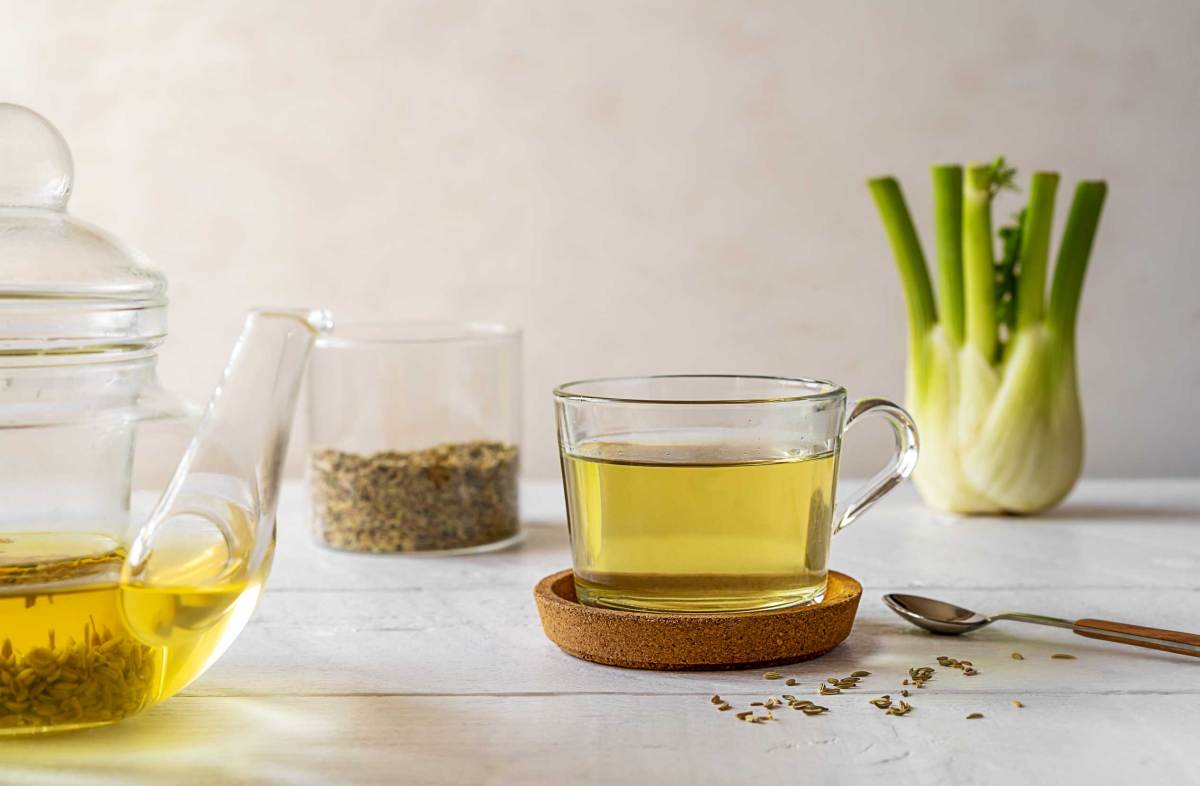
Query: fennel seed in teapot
[[452, 496], [80, 647]]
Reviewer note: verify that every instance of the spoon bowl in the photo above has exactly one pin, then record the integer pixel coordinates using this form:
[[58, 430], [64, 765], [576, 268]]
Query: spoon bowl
[[935, 616]]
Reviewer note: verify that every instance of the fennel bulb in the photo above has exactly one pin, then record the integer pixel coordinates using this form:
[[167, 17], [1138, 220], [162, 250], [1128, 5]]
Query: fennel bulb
[[991, 365]]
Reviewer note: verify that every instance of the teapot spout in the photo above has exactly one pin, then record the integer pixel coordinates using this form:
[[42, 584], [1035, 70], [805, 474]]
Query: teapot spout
[[228, 480]]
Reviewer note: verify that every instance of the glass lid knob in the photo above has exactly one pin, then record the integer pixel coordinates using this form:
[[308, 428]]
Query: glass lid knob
[[66, 287], [36, 170]]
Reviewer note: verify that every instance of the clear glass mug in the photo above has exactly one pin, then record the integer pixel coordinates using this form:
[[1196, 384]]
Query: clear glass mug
[[711, 493]]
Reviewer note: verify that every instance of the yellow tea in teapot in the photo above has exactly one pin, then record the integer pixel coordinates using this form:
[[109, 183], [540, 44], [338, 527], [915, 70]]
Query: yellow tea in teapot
[[80, 648], [683, 525]]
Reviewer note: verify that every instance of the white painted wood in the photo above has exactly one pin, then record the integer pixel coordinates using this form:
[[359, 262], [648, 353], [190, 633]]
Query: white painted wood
[[360, 669]]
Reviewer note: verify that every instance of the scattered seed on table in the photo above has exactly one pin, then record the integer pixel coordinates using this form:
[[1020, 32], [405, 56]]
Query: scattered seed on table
[[724, 706], [904, 693], [1016, 703], [1018, 656], [861, 674], [716, 699], [1062, 656], [975, 716], [791, 682], [772, 675]]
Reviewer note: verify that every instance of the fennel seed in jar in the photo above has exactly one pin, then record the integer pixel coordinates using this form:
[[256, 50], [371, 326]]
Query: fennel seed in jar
[[451, 496]]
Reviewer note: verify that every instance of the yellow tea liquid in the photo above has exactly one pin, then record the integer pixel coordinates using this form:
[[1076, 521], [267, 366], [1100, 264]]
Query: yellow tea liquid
[[78, 648], [686, 526]]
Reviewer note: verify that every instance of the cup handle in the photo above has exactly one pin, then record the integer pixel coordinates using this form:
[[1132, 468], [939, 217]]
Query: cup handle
[[902, 465]]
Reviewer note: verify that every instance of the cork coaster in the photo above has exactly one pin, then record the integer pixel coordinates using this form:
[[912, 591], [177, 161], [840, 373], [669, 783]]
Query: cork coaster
[[683, 642]]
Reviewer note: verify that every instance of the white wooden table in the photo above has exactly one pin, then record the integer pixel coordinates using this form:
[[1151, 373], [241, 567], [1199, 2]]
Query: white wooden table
[[360, 669]]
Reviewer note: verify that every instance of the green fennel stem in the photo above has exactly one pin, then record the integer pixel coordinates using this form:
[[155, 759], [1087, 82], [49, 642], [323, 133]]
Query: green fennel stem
[[947, 219], [1035, 249], [910, 260], [1073, 255], [979, 260]]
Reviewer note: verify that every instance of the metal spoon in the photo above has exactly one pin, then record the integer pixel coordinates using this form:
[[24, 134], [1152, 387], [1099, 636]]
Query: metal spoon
[[945, 618]]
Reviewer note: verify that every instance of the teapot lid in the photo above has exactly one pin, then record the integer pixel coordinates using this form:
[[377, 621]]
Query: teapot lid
[[65, 286]]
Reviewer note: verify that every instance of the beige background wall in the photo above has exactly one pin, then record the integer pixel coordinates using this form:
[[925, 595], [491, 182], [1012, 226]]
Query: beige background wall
[[645, 186]]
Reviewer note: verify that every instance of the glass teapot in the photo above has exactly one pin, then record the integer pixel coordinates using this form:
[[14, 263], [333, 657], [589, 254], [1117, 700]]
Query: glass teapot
[[105, 611]]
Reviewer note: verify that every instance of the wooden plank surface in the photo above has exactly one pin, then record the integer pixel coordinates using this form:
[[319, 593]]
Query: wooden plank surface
[[360, 669]]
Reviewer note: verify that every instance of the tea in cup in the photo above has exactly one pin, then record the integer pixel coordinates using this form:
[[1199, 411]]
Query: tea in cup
[[710, 493]]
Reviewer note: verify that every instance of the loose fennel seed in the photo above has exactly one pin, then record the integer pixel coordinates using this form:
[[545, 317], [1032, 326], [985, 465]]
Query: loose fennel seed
[[975, 716], [449, 496], [1016, 703], [1062, 656], [1018, 656], [791, 682], [772, 675]]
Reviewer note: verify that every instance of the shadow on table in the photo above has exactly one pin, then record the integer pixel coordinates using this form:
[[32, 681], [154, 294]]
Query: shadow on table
[[1088, 513], [1181, 514], [875, 635], [540, 538]]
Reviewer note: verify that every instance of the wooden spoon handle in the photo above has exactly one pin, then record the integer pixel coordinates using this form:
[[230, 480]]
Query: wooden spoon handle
[[1152, 638]]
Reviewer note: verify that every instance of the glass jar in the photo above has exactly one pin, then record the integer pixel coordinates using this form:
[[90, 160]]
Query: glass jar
[[413, 437]]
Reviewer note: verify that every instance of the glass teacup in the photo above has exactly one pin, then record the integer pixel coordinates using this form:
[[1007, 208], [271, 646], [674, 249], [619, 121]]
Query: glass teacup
[[710, 493]]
